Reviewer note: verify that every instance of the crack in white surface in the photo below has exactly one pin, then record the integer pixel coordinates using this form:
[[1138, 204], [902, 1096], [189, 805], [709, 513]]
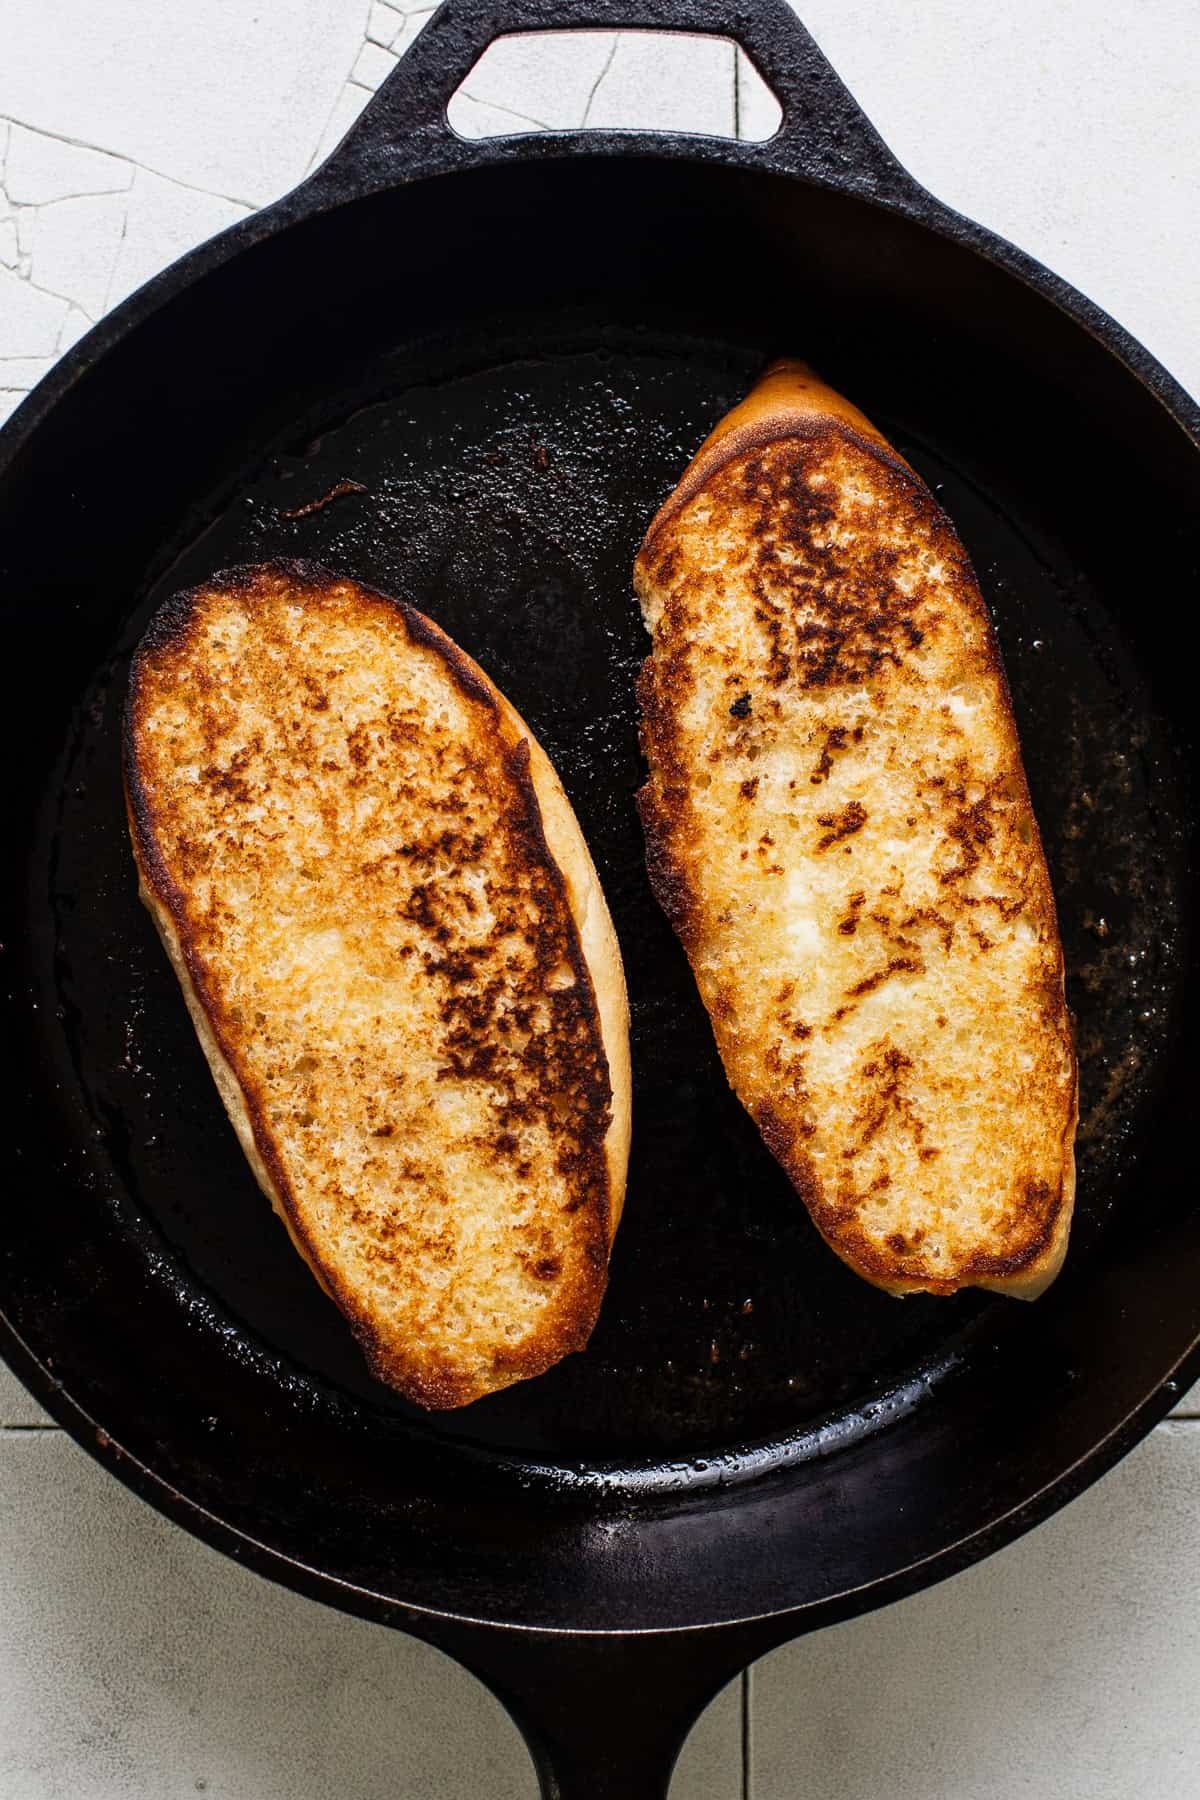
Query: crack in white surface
[[414, 23], [71, 246], [72, 330], [597, 84], [393, 17], [192, 187], [324, 149], [116, 263], [373, 64], [509, 112]]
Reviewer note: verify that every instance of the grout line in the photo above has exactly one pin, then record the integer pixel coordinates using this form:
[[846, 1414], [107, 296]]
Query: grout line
[[737, 91], [32, 1426], [747, 1730]]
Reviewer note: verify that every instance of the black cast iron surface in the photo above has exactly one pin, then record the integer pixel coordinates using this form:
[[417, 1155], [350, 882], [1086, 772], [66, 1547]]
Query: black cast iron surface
[[468, 374], [508, 501]]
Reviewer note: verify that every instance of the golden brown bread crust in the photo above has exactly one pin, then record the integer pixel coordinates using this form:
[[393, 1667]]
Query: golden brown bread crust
[[838, 826], [381, 911], [788, 398]]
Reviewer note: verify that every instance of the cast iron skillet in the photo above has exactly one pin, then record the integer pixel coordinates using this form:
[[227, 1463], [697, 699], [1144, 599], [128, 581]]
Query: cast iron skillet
[[513, 346]]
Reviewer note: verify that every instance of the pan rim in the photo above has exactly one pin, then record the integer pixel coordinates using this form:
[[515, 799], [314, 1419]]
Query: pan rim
[[312, 199], [424, 1620]]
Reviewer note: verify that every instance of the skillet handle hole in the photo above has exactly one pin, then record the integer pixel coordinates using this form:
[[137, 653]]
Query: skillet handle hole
[[614, 81]]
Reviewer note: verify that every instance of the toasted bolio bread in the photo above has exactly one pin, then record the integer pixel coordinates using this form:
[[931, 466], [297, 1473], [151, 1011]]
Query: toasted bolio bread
[[399, 961], [839, 827]]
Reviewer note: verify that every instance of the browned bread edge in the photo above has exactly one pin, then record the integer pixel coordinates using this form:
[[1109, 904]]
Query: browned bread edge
[[596, 961], [791, 400]]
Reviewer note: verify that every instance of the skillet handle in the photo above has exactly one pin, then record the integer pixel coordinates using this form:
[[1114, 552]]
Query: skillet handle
[[605, 1717], [823, 133]]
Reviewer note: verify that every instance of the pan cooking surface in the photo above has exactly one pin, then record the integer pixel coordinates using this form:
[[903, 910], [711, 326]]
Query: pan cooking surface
[[507, 501]]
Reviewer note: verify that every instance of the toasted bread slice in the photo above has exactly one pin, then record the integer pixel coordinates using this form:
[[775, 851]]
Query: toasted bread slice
[[839, 827], [399, 961]]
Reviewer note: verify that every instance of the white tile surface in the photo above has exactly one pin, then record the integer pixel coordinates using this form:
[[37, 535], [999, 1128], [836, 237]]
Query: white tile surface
[[39, 168], [17, 1405], [25, 371], [349, 104], [1067, 1667], [136, 1664], [551, 79], [414, 22], [710, 1764], [74, 326], [372, 65], [75, 245], [384, 23], [473, 118], [607, 80], [163, 220], [759, 113], [219, 95], [666, 83], [31, 320], [1189, 1406], [26, 220]]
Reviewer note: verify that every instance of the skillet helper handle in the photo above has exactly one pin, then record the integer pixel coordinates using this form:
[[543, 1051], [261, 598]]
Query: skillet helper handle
[[823, 133]]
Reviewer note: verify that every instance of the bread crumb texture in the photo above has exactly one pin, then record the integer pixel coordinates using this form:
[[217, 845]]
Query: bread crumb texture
[[335, 809], [840, 829]]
